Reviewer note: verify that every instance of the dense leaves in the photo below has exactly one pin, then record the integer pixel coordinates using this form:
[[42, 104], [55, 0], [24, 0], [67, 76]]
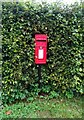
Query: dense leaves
[[63, 72]]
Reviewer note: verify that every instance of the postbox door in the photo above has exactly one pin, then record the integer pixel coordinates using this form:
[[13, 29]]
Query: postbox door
[[40, 55]]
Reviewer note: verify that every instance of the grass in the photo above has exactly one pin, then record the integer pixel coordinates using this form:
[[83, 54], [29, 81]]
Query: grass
[[44, 108]]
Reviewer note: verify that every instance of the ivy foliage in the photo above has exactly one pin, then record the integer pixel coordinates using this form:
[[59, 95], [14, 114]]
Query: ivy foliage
[[63, 73]]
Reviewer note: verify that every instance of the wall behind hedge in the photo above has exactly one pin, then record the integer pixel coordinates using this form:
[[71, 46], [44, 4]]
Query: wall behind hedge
[[63, 73]]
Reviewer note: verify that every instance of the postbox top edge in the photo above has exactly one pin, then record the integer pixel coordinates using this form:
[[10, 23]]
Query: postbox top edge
[[40, 37]]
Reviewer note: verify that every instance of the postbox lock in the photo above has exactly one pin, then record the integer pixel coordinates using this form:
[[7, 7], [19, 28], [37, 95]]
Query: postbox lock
[[40, 47]]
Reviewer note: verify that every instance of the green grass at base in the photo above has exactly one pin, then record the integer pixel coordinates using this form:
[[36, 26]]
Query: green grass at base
[[44, 108]]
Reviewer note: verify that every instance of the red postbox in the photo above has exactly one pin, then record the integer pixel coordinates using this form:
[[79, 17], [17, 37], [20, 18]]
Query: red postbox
[[40, 48]]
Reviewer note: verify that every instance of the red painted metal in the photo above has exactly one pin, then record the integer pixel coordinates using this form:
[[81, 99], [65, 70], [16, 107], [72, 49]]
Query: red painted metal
[[40, 48]]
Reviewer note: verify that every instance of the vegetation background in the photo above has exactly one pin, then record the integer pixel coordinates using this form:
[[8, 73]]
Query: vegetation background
[[63, 73]]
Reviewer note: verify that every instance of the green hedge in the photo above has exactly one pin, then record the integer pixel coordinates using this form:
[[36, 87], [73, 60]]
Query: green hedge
[[63, 73]]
